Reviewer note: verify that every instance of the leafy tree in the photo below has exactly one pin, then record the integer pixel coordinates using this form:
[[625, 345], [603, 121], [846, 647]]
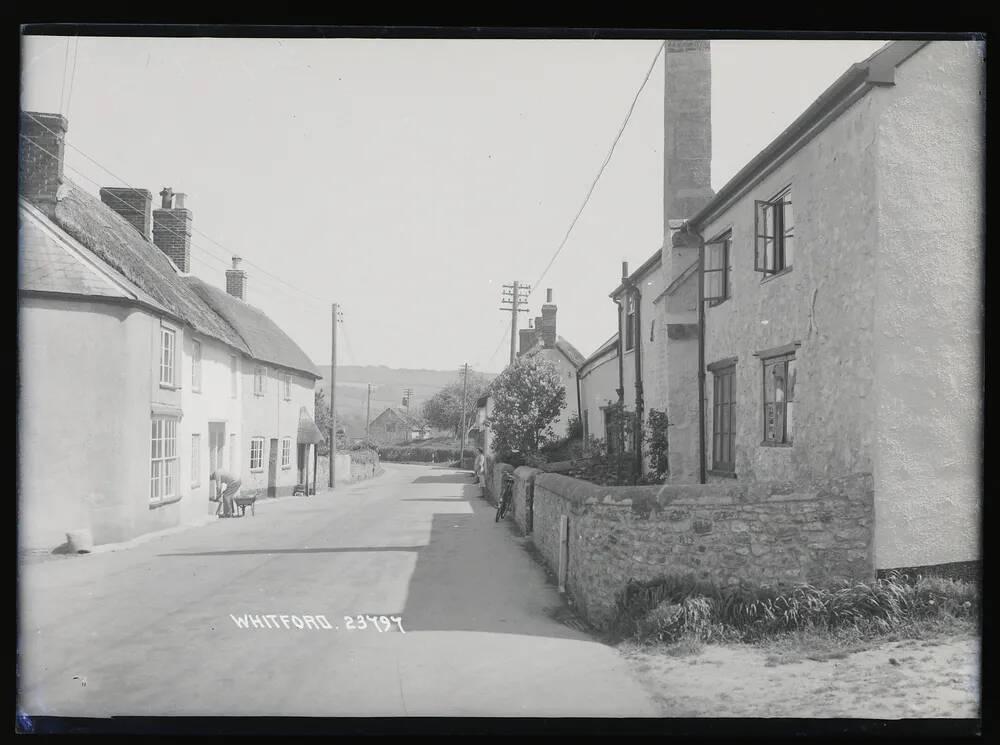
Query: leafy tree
[[321, 415], [443, 410], [527, 398]]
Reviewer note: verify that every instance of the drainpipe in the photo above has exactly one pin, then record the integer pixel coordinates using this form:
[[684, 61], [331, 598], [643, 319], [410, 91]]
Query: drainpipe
[[579, 407], [639, 402], [701, 355], [621, 341]]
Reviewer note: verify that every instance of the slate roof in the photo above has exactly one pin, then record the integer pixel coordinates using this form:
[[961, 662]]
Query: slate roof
[[262, 336], [407, 420], [606, 347]]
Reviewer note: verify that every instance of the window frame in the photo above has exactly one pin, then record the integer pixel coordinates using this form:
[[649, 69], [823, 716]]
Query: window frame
[[781, 247], [286, 450], [195, 460], [260, 456], [770, 361], [260, 380], [168, 332], [195, 366], [163, 467], [724, 239], [288, 386], [723, 378]]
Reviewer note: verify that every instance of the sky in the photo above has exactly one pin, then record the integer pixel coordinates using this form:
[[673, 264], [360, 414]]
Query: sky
[[407, 179]]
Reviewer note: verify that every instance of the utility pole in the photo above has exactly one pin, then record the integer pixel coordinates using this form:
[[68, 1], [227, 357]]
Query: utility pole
[[514, 295], [407, 394], [368, 416], [336, 318], [465, 393]]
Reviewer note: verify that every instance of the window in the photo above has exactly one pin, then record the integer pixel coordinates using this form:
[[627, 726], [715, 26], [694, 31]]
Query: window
[[630, 323], [257, 454], [717, 269], [196, 366], [234, 375], [723, 419], [286, 452], [195, 461], [168, 355], [779, 399], [288, 386], [259, 380], [163, 460], [774, 228]]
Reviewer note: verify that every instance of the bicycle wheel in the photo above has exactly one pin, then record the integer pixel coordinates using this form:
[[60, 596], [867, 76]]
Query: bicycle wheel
[[500, 512]]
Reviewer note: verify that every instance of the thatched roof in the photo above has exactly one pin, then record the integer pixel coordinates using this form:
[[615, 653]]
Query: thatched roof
[[308, 431], [262, 336], [113, 240], [570, 352]]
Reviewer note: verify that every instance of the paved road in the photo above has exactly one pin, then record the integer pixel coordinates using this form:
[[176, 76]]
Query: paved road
[[149, 630]]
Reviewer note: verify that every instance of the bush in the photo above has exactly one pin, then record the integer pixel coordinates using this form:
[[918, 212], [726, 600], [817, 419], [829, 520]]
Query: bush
[[670, 607]]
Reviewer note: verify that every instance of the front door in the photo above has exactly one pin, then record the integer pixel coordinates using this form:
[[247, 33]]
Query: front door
[[302, 463], [216, 452], [272, 470]]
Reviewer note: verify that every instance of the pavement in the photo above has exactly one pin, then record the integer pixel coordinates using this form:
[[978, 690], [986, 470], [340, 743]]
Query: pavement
[[158, 629]]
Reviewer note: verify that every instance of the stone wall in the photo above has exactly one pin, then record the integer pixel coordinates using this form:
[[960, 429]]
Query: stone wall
[[766, 533], [348, 470], [524, 489]]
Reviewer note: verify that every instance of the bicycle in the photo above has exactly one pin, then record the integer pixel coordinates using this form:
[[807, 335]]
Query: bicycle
[[506, 497]]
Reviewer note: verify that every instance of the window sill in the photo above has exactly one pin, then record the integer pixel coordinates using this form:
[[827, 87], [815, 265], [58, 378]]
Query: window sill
[[723, 474], [170, 386], [768, 277], [196, 486], [717, 303], [256, 470], [164, 502], [776, 444], [195, 390]]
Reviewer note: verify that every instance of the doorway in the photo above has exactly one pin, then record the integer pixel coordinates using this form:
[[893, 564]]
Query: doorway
[[216, 453], [272, 469]]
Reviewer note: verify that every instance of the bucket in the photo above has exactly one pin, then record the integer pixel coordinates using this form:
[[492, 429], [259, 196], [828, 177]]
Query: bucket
[[80, 541]]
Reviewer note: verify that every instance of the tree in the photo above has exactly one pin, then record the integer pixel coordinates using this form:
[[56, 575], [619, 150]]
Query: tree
[[527, 398], [321, 415], [443, 410]]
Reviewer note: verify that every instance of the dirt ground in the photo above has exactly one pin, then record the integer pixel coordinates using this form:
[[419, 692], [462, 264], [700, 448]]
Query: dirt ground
[[934, 678]]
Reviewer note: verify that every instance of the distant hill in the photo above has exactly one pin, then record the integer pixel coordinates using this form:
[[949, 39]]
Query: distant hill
[[388, 385]]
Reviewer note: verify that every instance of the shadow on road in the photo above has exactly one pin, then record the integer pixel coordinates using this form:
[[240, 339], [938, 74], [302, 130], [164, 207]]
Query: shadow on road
[[255, 551], [451, 478]]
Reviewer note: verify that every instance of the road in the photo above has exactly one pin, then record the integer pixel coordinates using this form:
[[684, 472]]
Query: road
[[150, 630]]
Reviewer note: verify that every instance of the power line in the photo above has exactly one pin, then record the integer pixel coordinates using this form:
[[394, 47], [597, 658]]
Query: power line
[[62, 88], [196, 230], [72, 76], [600, 172]]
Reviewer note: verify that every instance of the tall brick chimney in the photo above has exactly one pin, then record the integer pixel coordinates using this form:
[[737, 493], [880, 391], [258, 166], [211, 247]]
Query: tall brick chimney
[[547, 333], [687, 129], [135, 205], [236, 280], [42, 149], [527, 338], [172, 229]]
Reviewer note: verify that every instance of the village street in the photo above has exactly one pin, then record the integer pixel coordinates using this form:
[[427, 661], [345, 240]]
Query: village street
[[149, 630]]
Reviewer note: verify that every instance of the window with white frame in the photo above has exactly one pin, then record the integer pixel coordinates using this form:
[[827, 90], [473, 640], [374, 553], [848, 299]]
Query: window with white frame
[[195, 461], [774, 229], [259, 380], [288, 386], [168, 355], [257, 454], [717, 271], [286, 452], [163, 459], [196, 366], [779, 399], [234, 375]]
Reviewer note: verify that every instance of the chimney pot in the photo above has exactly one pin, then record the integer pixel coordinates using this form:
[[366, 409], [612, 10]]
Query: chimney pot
[[236, 280], [179, 201], [172, 229], [166, 198], [624, 270], [236, 262], [548, 295]]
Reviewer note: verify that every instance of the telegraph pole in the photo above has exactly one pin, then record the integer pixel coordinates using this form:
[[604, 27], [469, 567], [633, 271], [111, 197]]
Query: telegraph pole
[[407, 394], [465, 393], [368, 415], [336, 318], [514, 295]]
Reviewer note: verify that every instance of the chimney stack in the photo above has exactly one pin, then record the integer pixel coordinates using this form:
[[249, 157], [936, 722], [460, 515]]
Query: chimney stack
[[527, 339], [42, 150], [547, 333], [687, 129], [172, 229], [135, 205], [236, 280]]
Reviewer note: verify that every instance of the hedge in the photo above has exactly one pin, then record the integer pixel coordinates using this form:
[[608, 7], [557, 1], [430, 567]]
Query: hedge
[[396, 454]]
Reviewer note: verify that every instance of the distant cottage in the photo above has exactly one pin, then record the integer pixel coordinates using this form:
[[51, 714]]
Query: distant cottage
[[138, 380]]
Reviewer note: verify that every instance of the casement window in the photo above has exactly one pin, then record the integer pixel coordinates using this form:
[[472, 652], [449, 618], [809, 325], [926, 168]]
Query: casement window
[[774, 228], [288, 386], [779, 399], [195, 461], [257, 454], [286, 452], [163, 459], [724, 417], [717, 271], [196, 366], [234, 376], [630, 322], [168, 356], [259, 380]]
